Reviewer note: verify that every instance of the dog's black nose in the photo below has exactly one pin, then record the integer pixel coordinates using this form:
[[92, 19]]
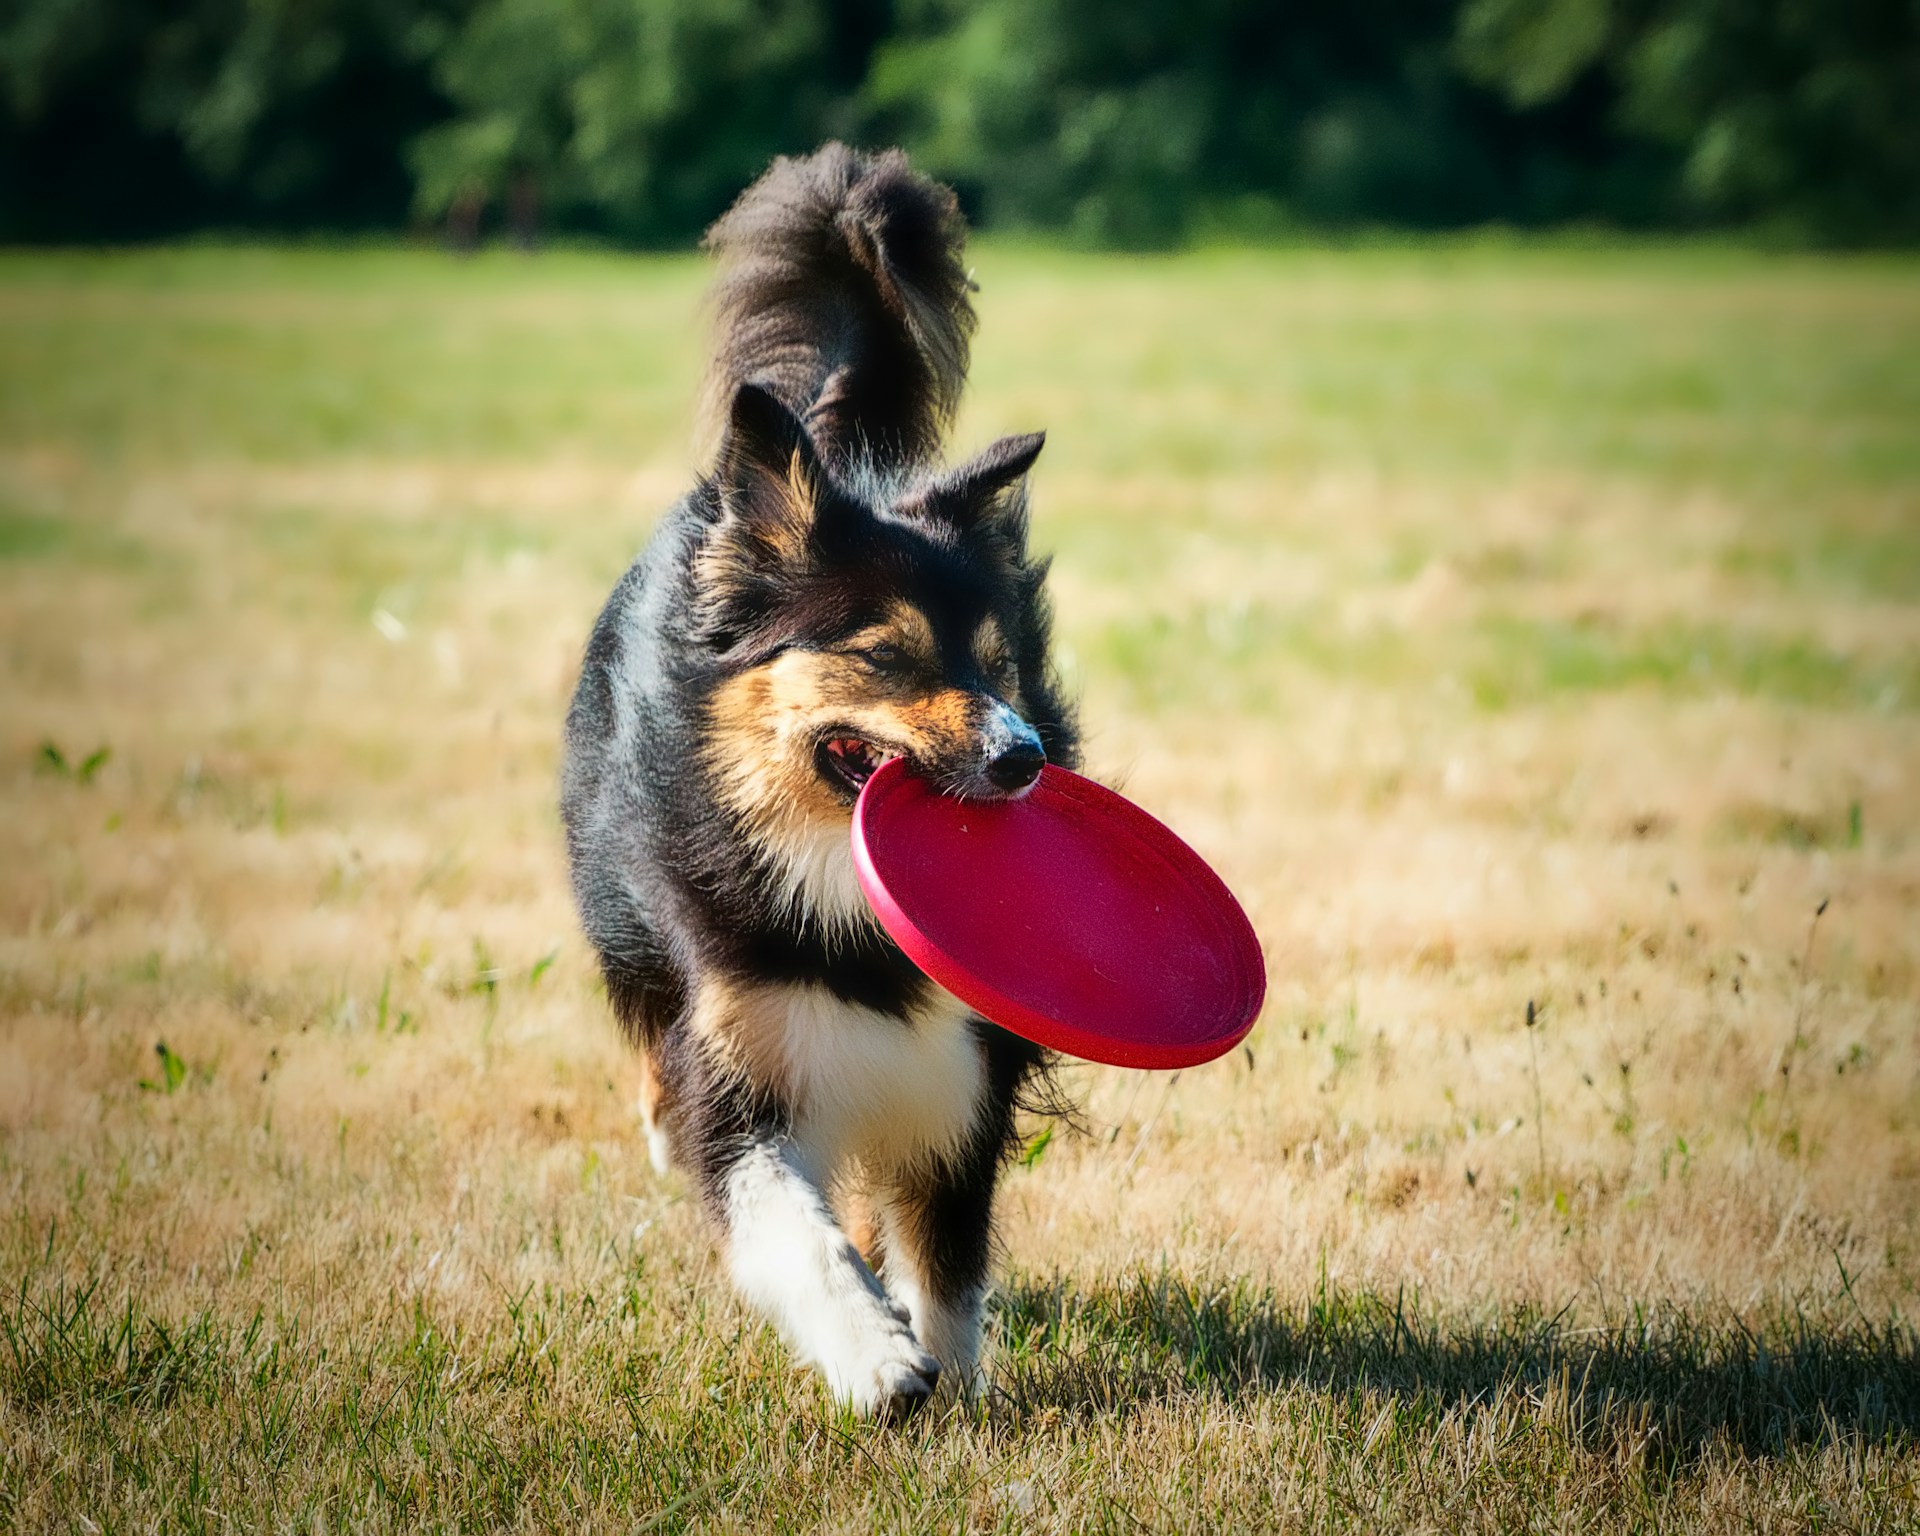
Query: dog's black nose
[[1018, 766]]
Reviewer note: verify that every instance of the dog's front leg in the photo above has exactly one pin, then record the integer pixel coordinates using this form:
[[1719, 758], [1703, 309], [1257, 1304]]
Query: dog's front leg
[[938, 1237], [792, 1261]]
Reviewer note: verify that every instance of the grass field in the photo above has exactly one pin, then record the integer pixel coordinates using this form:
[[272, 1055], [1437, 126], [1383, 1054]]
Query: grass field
[[1526, 634]]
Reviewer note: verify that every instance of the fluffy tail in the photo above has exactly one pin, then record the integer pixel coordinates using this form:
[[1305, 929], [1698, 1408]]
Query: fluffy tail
[[842, 292]]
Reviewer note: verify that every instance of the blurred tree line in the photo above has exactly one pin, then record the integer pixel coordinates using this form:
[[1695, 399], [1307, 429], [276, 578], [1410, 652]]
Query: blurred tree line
[[1118, 122]]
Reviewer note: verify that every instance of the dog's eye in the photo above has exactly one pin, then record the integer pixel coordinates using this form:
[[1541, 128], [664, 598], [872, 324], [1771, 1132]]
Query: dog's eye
[[885, 658], [998, 667]]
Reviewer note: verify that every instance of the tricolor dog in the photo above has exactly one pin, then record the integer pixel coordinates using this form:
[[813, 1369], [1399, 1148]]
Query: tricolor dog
[[830, 595]]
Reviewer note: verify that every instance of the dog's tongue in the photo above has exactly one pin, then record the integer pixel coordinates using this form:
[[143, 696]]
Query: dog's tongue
[[854, 755]]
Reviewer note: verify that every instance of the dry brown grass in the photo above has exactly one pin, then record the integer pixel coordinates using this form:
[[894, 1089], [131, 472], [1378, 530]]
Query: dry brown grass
[[1561, 728]]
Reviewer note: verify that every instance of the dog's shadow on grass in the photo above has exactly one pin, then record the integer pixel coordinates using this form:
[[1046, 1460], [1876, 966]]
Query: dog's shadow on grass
[[1664, 1383]]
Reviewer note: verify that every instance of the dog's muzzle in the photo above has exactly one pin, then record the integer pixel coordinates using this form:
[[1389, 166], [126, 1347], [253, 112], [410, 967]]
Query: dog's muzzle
[[1014, 756]]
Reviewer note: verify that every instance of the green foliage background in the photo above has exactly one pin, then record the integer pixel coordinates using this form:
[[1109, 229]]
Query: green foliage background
[[1115, 122]]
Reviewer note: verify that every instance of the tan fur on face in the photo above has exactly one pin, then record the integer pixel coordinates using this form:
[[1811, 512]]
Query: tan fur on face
[[941, 724], [763, 728], [765, 723], [907, 627], [990, 645], [993, 654]]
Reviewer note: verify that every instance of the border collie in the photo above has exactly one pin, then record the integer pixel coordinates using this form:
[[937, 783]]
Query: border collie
[[831, 594]]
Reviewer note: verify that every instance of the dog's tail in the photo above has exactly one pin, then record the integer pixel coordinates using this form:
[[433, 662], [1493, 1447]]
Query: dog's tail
[[842, 292]]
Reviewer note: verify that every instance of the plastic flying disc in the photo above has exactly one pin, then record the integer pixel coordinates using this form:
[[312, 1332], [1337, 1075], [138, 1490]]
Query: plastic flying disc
[[1069, 916]]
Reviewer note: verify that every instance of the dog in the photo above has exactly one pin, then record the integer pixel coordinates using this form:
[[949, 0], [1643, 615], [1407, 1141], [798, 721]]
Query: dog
[[828, 596]]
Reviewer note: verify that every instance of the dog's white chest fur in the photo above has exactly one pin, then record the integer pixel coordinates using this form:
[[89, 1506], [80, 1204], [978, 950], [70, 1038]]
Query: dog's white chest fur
[[884, 1090]]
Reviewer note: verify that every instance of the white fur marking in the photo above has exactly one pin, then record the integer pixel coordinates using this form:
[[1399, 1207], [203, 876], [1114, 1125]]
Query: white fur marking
[[885, 1090], [791, 1260], [817, 878]]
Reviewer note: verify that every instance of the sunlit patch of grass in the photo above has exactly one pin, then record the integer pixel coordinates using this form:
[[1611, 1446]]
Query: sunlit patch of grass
[[46, 533], [263, 355], [1837, 827], [1882, 563], [1247, 656], [27, 535], [382, 561], [1476, 363], [1527, 660]]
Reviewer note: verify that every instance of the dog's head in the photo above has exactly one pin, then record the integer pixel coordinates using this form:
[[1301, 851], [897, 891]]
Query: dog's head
[[849, 622]]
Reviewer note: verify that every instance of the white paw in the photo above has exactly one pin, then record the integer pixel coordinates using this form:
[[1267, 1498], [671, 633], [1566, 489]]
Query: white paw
[[884, 1374], [952, 1331]]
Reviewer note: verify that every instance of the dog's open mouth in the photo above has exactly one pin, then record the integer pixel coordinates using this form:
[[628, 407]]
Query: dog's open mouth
[[847, 762]]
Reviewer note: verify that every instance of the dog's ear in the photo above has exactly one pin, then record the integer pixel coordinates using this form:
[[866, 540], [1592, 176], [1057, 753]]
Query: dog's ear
[[986, 495], [769, 475], [771, 490]]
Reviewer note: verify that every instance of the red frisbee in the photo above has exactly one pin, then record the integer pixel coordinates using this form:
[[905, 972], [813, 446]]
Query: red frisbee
[[1069, 916]]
